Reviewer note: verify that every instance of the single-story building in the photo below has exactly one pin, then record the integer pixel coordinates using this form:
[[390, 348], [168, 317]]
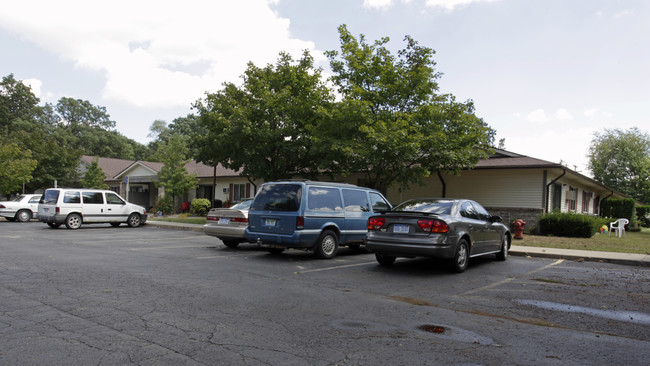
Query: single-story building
[[511, 185]]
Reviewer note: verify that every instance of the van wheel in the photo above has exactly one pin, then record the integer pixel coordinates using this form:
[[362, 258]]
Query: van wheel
[[73, 221], [327, 245], [134, 220], [24, 215]]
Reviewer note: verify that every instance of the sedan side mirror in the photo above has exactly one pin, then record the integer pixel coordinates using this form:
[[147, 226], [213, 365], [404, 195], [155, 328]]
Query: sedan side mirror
[[496, 219]]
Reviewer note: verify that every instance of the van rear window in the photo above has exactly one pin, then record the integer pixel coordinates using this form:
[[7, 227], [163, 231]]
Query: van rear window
[[50, 197], [278, 197]]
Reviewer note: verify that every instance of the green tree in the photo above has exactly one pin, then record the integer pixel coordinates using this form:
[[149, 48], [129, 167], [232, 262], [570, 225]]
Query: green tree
[[264, 126], [17, 167], [36, 128], [173, 176], [621, 160], [392, 123], [94, 177]]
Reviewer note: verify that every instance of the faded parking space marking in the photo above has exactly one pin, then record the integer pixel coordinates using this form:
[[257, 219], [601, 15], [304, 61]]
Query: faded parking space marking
[[496, 284], [335, 267]]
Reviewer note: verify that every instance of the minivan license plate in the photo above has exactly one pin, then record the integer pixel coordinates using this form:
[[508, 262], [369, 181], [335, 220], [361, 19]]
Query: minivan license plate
[[269, 222], [401, 229]]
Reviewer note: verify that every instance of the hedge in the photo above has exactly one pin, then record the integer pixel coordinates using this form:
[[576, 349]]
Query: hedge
[[618, 208], [643, 215], [200, 206], [570, 224]]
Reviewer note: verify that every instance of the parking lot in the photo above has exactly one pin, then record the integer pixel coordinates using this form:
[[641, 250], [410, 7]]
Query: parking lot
[[153, 296]]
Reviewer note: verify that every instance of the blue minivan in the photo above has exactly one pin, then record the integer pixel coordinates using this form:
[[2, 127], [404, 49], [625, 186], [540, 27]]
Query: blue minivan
[[310, 215]]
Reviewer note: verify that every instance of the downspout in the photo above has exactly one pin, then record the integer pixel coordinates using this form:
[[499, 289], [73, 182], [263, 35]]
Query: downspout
[[214, 185], [444, 185], [548, 186]]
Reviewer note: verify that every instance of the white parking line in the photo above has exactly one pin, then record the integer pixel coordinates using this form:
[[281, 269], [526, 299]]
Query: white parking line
[[511, 279], [174, 247], [336, 267]]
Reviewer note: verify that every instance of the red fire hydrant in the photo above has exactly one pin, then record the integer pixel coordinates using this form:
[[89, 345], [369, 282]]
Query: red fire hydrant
[[518, 226]]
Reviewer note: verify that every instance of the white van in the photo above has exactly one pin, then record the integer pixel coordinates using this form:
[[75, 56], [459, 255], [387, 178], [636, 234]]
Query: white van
[[76, 206]]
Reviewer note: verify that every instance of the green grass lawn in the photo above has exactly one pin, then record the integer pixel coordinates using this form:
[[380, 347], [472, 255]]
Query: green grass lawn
[[632, 242]]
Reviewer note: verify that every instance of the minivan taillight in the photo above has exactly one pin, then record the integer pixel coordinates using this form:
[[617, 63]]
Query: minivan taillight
[[300, 222], [433, 226], [57, 209], [376, 223]]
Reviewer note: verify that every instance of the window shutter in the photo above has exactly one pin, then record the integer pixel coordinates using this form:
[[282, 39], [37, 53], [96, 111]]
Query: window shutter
[[248, 190], [230, 192]]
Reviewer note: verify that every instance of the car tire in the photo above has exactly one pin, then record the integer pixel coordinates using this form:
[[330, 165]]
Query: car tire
[[134, 220], [12, 219], [327, 245], [385, 260], [73, 221], [115, 224], [231, 243], [461, 258], [53, 225], [23, 215], [503, 254]]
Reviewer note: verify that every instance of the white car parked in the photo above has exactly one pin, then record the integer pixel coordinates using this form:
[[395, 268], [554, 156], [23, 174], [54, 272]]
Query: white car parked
[[23, 208], [76, 206]]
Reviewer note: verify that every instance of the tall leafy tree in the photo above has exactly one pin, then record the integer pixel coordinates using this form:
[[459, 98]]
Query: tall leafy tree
[[94, 177], [36, 129], [17, 167], [392, 123], [621, 160], [173, 176], [264, 126]]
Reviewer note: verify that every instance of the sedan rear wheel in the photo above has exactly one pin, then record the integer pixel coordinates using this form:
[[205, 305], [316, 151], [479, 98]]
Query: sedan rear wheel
[[231, 243], [73, 221], [385, 260], [24, 215], [461, 259]]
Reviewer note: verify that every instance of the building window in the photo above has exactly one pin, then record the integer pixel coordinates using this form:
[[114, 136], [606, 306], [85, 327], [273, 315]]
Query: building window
[[571, 199], [239, 191]]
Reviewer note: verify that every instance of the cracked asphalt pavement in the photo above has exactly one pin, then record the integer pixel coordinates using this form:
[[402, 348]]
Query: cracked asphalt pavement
[[154, 296]]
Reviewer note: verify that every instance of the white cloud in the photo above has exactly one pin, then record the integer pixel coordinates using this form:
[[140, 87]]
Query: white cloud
[[382, 4], [563, 115], [451, 4], [537, 116], [157, 53], [591, 112], [35, 84]]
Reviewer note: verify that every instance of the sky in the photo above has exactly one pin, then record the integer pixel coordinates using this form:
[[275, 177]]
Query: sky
[[547, 75]]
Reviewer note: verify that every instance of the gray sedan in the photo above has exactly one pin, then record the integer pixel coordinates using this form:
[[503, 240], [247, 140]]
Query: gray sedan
[[228, 224], [454, 229]]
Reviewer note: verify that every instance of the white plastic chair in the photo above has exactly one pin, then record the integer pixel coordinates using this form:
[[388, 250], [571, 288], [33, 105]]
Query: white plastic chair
[[619, 226]]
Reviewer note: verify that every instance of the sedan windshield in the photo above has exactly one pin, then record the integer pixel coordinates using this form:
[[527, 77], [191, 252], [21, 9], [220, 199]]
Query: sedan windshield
[[438, 207]]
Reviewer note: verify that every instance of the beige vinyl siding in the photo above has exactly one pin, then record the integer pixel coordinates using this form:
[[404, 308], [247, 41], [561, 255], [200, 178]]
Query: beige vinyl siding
[[521, 188]]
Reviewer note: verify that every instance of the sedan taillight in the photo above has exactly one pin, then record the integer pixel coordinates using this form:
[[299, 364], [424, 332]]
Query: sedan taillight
[[433, 226], [376, 223]]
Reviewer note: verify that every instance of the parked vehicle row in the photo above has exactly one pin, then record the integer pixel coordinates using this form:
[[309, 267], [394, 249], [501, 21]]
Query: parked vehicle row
[[74, 207], [322, 216]]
